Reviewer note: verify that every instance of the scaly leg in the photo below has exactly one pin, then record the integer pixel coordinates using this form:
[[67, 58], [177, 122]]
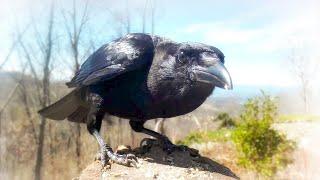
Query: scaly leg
[[167, 145], [94, 121]]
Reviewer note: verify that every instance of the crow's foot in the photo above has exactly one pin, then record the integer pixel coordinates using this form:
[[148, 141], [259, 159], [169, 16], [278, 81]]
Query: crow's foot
[[164, 142], [124, 159], [107, 154], [167, 145]]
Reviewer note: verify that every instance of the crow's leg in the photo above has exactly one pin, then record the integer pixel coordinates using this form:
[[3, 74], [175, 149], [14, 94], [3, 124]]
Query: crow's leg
[[94, 121], [167, 145]]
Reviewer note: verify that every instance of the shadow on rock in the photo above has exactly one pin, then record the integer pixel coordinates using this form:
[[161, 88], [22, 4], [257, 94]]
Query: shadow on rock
[[183, 157], [154, 163]]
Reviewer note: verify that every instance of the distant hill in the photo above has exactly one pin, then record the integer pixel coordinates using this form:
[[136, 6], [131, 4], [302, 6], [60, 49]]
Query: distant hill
[[290, 101], [9, 79], [7, 83], [221, 100]]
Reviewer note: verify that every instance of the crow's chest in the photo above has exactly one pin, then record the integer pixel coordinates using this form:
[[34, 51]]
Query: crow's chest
[[174, 104]]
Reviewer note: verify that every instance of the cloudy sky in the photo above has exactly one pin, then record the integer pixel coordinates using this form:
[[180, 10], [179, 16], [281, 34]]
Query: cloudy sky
[[255, 36]]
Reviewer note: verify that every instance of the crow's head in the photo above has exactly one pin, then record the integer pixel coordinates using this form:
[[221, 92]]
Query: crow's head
[[203, 64], [180, 67]]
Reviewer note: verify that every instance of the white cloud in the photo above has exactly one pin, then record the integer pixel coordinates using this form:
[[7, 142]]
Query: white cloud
[[262, 40], [260, 75], [266, 38]]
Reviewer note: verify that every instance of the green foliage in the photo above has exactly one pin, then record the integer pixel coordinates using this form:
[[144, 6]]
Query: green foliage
[[226, 120], [220, 135], [260, 147]]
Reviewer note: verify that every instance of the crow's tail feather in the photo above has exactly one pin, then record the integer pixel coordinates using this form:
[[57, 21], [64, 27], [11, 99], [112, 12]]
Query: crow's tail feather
[[72, 106]]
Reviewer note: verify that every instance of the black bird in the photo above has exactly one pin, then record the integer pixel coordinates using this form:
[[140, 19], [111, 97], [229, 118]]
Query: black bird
[[140, 77]]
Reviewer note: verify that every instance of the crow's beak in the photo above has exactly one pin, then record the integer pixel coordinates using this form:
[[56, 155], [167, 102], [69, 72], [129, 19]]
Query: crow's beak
[[215, 74]]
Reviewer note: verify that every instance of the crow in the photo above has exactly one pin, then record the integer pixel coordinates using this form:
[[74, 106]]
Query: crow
[[140, 77]]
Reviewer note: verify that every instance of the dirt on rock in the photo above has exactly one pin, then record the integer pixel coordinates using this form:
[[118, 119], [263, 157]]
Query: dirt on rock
[[154, 163]]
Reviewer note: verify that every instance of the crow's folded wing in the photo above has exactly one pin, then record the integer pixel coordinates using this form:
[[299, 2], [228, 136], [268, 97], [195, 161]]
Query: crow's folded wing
[[129, 53]]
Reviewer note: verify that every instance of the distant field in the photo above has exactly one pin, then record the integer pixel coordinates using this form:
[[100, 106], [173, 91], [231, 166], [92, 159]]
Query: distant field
[[298, 117]]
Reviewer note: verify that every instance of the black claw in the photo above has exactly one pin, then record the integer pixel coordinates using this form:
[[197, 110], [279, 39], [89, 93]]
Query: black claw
[[123, 159], [132, 163], [132, 156]]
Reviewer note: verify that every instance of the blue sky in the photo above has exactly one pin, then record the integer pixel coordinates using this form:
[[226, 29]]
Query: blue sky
[[255, 36]]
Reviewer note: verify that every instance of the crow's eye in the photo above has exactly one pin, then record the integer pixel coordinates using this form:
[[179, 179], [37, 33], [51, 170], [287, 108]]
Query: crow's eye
[[181, 57]]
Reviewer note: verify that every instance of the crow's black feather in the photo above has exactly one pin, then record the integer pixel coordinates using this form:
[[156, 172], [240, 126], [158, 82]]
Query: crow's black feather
[[141, 77]]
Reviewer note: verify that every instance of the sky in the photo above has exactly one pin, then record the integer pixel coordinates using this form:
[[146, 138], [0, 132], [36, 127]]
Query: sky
[[255, 36]]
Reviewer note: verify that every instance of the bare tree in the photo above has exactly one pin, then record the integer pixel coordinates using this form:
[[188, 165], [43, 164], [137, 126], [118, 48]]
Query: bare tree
[[74, 35], [10, 96], [46, 47], [121, 20], [13, 46], [6, 59], [304, 69], [23, 93], [75, 31], [24, 97], [21, 87]]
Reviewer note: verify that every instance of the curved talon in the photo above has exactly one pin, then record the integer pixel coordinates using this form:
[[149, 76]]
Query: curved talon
[[125, 159], [107, 154], [104, 159], [132, 163], [132, 156]]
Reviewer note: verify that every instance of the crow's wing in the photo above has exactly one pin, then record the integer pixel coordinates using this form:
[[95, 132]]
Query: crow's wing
[[129, 53]]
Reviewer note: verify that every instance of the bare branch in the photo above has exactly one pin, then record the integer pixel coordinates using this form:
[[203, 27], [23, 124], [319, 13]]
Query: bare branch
[[74, 34], [304, 70], [33, 71], [38, 37], [24, 98], [9, 99], [84, 19], [20, 36], [47, 50]]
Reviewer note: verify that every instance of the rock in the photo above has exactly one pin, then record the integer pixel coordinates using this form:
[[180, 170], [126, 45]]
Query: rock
[[157, 164]]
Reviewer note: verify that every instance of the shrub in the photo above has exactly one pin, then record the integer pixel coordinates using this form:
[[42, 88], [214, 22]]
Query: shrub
[[260, 147], [220, 135], [226, 120]]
